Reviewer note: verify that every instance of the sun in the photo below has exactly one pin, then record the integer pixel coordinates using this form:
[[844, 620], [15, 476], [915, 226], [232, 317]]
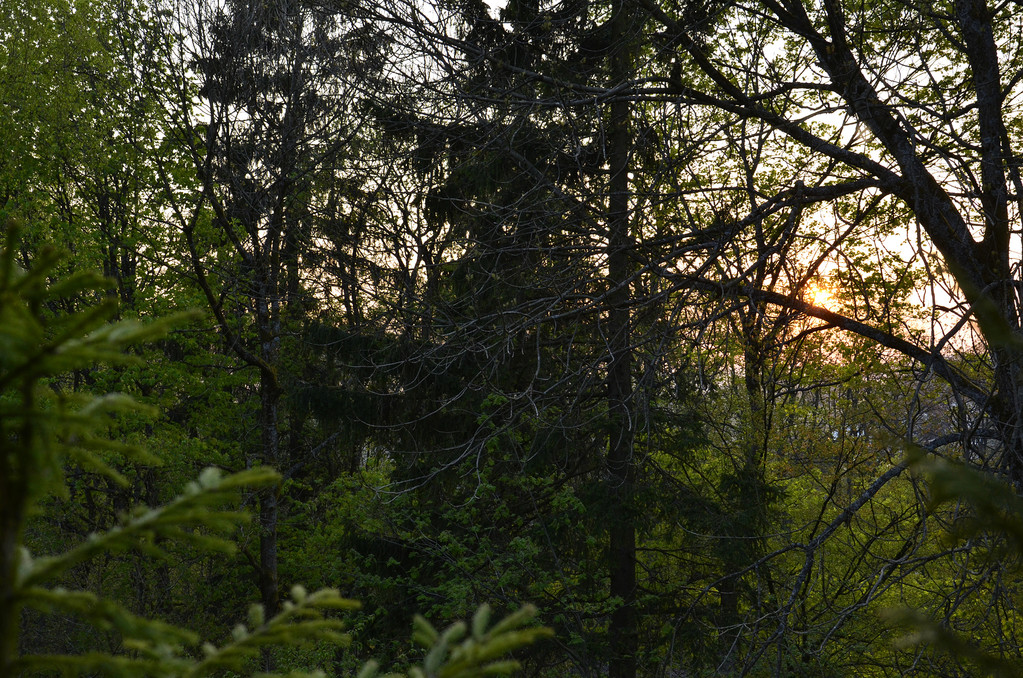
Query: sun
[[819, 295]]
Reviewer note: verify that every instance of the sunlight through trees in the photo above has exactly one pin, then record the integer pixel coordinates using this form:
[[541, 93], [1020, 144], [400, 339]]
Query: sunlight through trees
[[695, 326]]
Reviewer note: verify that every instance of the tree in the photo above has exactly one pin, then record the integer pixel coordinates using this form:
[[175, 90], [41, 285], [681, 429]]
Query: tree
[[266, 145], [891, 126], [81, 175], [542, 305], [43, 430], [499, 258]]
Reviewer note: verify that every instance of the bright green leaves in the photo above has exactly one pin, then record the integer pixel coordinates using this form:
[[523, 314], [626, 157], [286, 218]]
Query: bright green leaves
[[996, 507], [156, 649], [39, 421], [44, 427], [301, 621], [195, 517], [989, 515], [37, 348], [465, 651]]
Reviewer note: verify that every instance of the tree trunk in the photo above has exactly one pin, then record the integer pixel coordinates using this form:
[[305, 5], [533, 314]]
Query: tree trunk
[[748, 505], [268, 315], [12, 504], [268, 584], [623, 629]]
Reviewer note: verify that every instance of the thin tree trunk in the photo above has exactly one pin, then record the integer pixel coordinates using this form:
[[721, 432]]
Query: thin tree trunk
[[749, 504], [623, 629], [269, 422], [268, 505]]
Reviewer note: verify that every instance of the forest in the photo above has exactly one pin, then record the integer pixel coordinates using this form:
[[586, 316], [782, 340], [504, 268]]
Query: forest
[[453, 338]]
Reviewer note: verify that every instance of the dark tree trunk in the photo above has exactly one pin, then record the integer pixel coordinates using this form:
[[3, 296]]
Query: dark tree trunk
[[12, 509], [623, 629], [268, 504]]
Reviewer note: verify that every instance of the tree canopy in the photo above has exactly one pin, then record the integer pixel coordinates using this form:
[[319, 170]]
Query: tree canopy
[[695, 325]]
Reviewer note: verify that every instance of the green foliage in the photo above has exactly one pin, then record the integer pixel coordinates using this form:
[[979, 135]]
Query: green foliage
[[44, 429], [994, 510], [465, 651], [996, 507]]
